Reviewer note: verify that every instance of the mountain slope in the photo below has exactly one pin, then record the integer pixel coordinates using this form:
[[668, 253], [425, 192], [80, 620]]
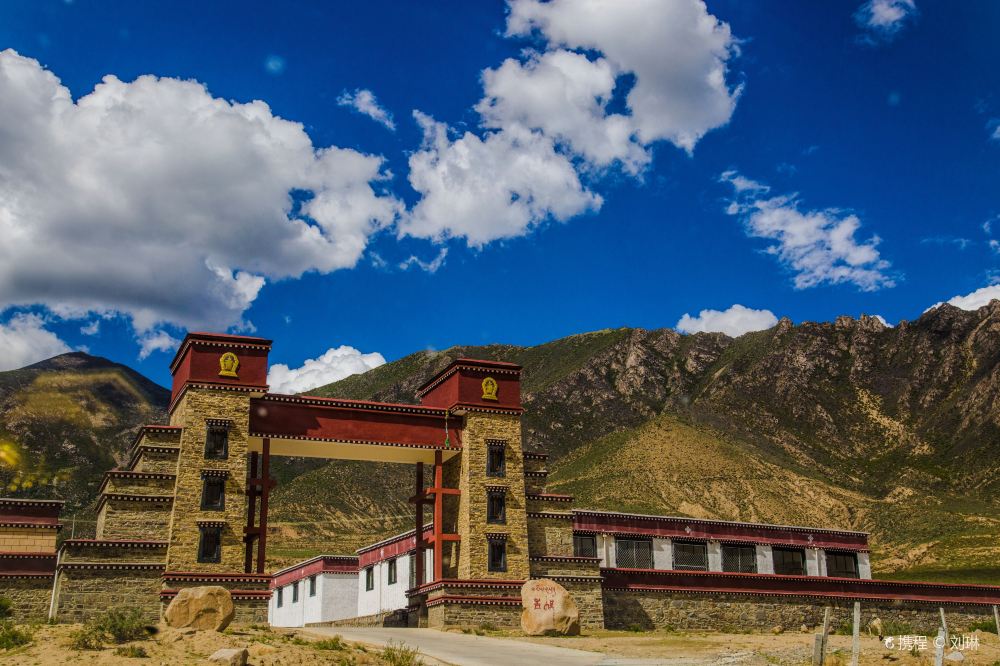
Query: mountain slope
[[846, 424], [67, 420]]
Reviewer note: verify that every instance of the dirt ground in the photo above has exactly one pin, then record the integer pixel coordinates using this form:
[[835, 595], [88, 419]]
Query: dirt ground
[[51, 645], [754, 649]]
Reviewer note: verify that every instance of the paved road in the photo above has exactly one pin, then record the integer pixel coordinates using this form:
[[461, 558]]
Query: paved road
[[471, 650]]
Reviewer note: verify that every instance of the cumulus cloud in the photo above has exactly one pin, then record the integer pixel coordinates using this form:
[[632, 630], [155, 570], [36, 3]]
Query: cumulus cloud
[[818, 246], [975, 300], [25, 340], [676, 51], [363, 101], [734, 322], [333, 365], [156, 200], [883, 20], [153, 341], [484, 189]]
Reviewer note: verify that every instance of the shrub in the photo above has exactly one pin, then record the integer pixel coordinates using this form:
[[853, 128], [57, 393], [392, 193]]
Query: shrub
[[123, 625], [398, 654], [133, 651], [88, 637], [12, 636], [335, 643], [984, 625], [6, 606]]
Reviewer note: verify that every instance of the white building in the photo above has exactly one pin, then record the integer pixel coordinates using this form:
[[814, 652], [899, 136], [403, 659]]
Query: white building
[[322, 589], [386, 572]]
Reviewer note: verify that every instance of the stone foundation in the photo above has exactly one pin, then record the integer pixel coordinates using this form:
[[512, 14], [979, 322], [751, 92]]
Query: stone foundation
[[736, 613], [30, 596], [502, 615], [396, 618], [86, 592]]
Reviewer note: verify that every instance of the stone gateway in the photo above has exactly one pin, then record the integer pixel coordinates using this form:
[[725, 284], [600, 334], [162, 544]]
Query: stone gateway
[[207, 608], [548, 609]]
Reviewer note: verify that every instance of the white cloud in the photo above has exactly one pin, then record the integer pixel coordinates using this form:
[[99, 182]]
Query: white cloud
[[734, 322], [25, 340], [333, 365], [975, 300], [93, 328], [995, 245], [158, 201], [883, 321], [153, 341], [819, 246], [485, 189], [363, 101], [430, 266], [677, 51], [884, 19], [742, 184]]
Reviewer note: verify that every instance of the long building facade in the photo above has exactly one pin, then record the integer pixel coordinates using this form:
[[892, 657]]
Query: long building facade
[[191, 505]]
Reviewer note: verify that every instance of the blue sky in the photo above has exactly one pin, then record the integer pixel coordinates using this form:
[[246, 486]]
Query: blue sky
[[871, 131]]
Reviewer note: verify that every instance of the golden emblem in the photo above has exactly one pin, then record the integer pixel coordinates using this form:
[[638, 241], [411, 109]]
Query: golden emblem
[[228, 365], [489, 389]]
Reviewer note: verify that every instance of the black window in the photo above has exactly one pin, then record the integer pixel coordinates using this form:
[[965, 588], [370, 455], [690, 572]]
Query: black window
[[497, 556], [496, 460], [496, 507], [312, 586], [213, 494], [391, 574], [789, 561], [217, 442], [634, 553], [295, 591], [281, 596], [413, 571], [739, 559], [841, 564], [691, 555], [210, 544], [369, 579], [585, 545]]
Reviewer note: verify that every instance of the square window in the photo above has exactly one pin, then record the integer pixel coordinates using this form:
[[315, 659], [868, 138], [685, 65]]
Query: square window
[[391, 571], [841, 564], [739, 559], [496, 460], [584, 545], [497, 556], [789, 561], [295, 591], [217, 443], [369, 579], [213, 494], [496, 507], [281, 596], [312, 586], [634, 553], [210, 544]]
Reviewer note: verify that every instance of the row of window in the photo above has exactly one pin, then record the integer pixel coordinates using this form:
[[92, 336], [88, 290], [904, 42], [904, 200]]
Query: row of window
[[213, 496], [280, 596], [496, 504], [693, 556]]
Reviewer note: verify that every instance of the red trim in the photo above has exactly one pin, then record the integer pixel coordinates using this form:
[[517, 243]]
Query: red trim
[[115, 543], [225, 338], [797, 586], [482, 601], [322, 564], [162, 428], [198, 576], [549, 497], [235, 594], [462, 582]]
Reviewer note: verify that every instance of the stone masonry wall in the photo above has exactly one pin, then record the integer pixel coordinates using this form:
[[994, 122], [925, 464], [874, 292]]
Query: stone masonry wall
[[151, 460], [731, 612], [476, 615], [129, 519], [85, 593], [197, 406], [28, 540], [30, 597], [472, 523], [550, 536]]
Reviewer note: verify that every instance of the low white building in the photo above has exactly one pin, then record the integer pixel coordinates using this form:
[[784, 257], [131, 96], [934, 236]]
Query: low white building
[[321, 589], [386, 572]]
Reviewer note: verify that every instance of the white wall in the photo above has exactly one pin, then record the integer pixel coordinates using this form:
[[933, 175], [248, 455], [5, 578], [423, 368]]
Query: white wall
[[765, 559], [812, 561], [864, 566], [385, 597], [663, 554], [714, 556], [335, 599]]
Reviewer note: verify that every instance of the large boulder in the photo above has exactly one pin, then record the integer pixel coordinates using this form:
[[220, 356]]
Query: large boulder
[[548, 609], [207, 608]]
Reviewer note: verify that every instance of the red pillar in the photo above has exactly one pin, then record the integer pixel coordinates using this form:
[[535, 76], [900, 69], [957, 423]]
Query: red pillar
[[265, 492], [438, 517], [248, 535], [418, 560]]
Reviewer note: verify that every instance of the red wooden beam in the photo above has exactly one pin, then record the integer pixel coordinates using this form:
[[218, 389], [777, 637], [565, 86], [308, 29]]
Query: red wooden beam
[[248, 532], [438, 517], [418, 500], [265, 492]]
